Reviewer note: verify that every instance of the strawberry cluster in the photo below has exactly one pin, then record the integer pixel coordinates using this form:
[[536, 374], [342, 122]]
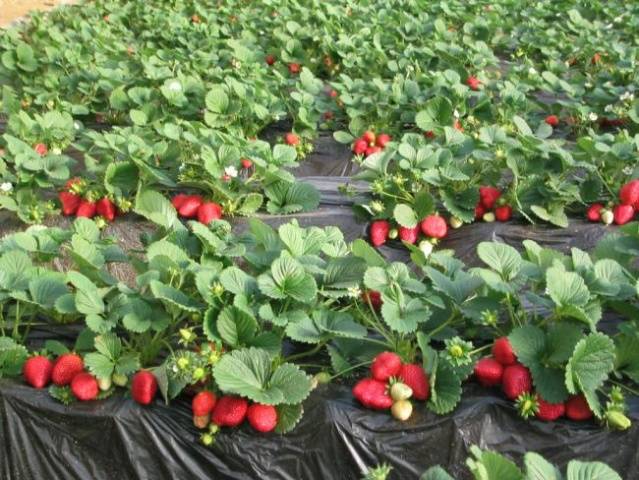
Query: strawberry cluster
[[433, 227], [74, 201], [621, 213], [492, 206], [391, 385], [68, 371], [194, 206], [370, 143], [502, 368], [230, 411]]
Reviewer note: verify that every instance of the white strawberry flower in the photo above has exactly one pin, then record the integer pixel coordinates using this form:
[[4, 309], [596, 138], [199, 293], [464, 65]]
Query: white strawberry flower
[[627, 170], [627, 96], [532, 71], [6, 187], [175, 86], [609, 108], [456, 114], [77, 125], [231, 171], [592, 116]]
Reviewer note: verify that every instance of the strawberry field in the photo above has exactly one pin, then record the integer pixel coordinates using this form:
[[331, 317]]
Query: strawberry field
[[304, 239]]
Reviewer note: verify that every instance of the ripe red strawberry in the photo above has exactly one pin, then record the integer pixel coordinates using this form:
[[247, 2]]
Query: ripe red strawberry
[[368, 137], [70, 203], [229, 411], [262, 418], [429, 134], [473, 82], [382, 139], [373, 149], [480, 210], [457, 125], [85, 387], [379, 232], [409, 235], [360, 146], [41, 149], [385, 365], [629, 193], [270, 59], [294, 68], [196, 18], [488, 196], [333, 94], [86, 209], [596, 58], [503, 351], [202, 406], [372, 394], [37, 371], [577, 408], [209, 211], [489, 372], [144, 386], [623, 214], [594, 212], [374, 297], [179, 200], [503, 213], [291, 139], [105, 208], [246, 163], [190, 206], [415, 377], [65, 368], [328, 115], [515, 381], [549, 412], [552, 120], [434, 226]]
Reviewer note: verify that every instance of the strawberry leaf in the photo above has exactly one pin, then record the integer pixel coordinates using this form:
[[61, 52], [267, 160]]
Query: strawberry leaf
[[502, 258], [591, 363], [12, 357], [590, 470], [446, 389], [288, 416], [436, 473]]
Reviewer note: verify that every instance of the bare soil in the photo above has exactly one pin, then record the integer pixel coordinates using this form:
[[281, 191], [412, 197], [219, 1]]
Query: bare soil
[[11, 10]]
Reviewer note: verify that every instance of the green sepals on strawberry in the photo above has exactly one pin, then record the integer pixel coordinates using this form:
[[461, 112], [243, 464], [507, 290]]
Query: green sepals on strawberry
[[262, 418], [37, 371], [66, 367], [229, 411], [62, 394], [378, 232], [372, 394], [488, 372], [415, 377], [516, 381], [527, 405], [144, 386], [84, 387], [434, 226], [386, 365]]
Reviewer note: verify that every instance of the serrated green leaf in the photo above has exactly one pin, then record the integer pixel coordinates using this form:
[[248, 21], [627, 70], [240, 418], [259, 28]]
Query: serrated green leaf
[[590, 471], [288, 416], [446, 389], [502, 258], [590, 364]]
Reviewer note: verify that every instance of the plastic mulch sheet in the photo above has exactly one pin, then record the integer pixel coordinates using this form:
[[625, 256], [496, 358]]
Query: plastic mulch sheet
[[336, 439]]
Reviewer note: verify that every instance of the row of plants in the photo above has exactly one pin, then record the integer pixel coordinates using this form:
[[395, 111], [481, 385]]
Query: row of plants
[[473, 102], [252, 317], [489, 465]]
